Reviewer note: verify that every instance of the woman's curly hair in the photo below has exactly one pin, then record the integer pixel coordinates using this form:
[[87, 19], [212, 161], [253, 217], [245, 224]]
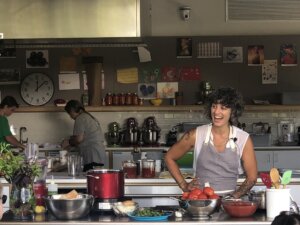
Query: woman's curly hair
[[228, 97]]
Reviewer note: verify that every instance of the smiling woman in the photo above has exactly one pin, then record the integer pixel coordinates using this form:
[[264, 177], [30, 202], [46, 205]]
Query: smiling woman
[[221, 150]]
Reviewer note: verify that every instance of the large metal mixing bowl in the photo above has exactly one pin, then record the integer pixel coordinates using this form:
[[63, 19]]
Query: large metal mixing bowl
[[69, 209], [200, 208]]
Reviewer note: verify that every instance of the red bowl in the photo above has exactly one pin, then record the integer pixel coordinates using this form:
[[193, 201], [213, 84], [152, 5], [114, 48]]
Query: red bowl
[[239, 208]]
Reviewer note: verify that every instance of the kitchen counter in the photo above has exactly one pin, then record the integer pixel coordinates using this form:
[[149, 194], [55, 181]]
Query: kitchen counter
[[102, 218]]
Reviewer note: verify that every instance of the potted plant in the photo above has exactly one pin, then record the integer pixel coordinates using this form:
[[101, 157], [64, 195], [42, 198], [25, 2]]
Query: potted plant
[[20, 173]]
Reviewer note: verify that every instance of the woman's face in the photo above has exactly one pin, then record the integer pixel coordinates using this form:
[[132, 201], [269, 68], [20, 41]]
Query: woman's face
[[73, 115], [220, 114]]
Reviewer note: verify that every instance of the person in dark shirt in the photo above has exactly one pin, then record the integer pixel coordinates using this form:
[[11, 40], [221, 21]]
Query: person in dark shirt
[[287, 218]]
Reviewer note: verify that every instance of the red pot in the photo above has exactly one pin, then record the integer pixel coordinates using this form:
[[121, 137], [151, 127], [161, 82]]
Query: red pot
[[105, 183]]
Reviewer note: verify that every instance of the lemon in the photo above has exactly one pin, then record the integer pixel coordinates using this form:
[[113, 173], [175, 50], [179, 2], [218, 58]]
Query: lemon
[[39, 209]]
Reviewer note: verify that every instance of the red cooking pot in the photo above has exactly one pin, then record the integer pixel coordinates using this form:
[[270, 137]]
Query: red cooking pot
[[105, 183]]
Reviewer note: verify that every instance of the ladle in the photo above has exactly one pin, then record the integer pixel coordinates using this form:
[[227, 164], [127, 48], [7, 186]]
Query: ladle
[[275, 177]]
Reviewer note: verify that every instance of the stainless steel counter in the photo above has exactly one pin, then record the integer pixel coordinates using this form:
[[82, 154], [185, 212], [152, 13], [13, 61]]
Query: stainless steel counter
[[221, 218]]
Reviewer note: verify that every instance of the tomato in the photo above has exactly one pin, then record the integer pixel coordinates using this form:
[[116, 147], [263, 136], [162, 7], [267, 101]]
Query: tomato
[[202, 196], [208, 191], [185, 195], [196, 191], [214, 196], [193, 196]]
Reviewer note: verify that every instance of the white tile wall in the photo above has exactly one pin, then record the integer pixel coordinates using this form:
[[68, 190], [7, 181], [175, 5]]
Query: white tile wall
[[53, 126]]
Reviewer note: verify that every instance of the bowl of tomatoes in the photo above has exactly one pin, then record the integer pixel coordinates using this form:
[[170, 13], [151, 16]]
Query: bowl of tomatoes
[[200, 203], [239, 207]]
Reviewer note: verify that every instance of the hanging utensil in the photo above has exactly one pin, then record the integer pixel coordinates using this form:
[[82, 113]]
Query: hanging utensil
[[266, 179], [286, 178], [275, 177]]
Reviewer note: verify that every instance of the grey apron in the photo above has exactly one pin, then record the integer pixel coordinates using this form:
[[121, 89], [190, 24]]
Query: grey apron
[[220, 169]]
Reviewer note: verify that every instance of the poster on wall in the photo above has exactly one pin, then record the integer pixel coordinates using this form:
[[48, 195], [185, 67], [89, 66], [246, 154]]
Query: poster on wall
[[37, 59], [169, 74], [288, 55], [269, 72], [184, 47], [256, 55], [167, 89], [68, 81], [232, 54], [189, 73], [150, 74], [147, 90]]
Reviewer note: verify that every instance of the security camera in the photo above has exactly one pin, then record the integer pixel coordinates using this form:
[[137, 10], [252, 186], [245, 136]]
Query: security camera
[[185, 12]]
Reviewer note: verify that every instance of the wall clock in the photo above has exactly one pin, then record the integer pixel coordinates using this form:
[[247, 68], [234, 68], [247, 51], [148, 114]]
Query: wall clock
[[37, 89]]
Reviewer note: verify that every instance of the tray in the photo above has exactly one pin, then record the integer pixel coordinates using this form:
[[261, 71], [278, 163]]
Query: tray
[[150, 218]]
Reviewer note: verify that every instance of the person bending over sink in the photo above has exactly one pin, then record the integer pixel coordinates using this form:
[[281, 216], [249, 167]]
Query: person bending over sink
[[7, 107], [87, 136], [222, 151]]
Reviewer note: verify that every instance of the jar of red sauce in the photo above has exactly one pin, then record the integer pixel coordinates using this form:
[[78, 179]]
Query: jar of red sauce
[[148, 168], [129, 169]]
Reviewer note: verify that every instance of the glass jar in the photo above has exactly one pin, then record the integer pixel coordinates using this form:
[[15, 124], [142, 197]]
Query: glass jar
[[108, 99], [135, 99], [148, 168], [129, 169], [122, 99], [128, 99], [115, 100]]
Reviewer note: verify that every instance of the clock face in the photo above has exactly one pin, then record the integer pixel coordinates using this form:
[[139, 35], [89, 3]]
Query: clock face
[[37, 89]]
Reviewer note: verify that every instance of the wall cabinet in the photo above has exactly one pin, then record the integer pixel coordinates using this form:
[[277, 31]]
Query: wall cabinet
[[285, 159]]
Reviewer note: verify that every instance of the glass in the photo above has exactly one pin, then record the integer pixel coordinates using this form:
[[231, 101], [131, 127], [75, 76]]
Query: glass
[[40, 191], [74, 165], [148, 168], [130, 169]]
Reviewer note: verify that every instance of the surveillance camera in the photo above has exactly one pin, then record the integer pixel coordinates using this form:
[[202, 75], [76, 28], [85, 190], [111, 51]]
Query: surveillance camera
[[185, 12]]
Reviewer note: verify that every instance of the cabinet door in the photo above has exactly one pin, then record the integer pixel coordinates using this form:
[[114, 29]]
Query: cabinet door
[[264, 160], [287, 159]]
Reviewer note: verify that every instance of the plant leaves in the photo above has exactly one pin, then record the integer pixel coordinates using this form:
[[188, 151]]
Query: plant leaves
[[286, 177]]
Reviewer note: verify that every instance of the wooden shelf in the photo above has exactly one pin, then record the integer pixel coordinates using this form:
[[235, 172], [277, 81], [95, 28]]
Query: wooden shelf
[[179, 108]]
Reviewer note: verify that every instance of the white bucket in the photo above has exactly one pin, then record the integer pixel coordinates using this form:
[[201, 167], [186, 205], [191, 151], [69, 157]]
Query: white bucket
[[278, 200]]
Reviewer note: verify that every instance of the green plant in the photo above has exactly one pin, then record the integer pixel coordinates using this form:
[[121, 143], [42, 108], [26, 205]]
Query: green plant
[[15, 168]]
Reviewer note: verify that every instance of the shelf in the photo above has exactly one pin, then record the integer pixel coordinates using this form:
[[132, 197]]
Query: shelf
[[178, 108]]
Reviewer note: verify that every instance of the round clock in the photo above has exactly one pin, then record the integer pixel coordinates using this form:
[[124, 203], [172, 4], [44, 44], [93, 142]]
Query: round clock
[[37, 89]]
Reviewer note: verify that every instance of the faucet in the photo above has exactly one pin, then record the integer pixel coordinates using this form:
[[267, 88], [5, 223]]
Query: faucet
[[21, 131]]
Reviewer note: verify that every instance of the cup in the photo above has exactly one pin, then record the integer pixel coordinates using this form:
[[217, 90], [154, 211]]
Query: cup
[[277, 200], [40, 191], [74, 165], [148, 168], [130, 169]]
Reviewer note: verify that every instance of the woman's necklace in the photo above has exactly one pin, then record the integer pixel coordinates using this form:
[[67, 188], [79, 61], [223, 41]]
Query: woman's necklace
[[220, 140]]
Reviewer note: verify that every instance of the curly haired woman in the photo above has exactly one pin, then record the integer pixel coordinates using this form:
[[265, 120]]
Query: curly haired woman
[[222, 151]]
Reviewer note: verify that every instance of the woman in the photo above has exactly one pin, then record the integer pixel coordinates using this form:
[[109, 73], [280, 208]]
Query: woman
[[221, 150], [7, 107], [87, 136]]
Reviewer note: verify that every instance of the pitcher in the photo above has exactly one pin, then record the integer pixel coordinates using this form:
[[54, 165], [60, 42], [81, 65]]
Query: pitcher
[[74, 164]]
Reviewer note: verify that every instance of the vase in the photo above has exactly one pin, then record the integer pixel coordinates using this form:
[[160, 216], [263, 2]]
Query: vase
[[21, 202]]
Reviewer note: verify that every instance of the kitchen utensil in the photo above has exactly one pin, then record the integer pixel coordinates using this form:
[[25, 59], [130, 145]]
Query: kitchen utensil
[[266, 179], [70, 209], [239, 207], [286, 178], [105, 183], [199, 208], [275, 177]]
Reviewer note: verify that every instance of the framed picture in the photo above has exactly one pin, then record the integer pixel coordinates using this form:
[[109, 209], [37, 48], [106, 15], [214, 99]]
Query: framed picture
[[288, 55], [10, 76], [232, 54], [256, 55], [37, 59], [184, 47]]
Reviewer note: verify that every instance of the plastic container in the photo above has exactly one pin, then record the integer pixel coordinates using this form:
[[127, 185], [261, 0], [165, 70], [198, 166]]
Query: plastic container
[[52, 188]]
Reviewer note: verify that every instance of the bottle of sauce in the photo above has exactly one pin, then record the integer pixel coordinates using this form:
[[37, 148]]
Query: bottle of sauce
[[122, 99], [108, 99], [135, 99], [128, 99]]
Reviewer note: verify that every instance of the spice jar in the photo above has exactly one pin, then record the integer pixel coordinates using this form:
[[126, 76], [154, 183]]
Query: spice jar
[[128, 99], [108, 99], [115, 100], [135, 99], [122, 99]]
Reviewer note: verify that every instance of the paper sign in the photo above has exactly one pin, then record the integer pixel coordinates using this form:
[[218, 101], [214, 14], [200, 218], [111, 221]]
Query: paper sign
[[68, 64], [127, 76], [166, 89], [269, 72], [68, 81]]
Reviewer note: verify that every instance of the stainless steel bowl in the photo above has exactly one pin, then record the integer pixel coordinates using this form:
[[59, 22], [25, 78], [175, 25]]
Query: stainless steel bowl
[[69, 209], [200, 208]]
